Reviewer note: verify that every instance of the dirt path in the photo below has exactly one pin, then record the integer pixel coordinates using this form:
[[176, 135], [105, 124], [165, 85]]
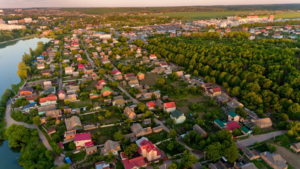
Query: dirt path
[[292, 158]]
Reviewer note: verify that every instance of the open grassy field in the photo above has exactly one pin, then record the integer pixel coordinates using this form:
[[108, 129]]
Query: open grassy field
[[288, 15], [188, 16]]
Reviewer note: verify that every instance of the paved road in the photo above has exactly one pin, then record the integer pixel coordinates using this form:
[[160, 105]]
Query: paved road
[[260, 138], [10, 121], [60, 79], [87, 55], [291, 158]]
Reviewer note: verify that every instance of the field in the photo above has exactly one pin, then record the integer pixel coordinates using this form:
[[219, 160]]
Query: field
[[150, 79], [288, 15], [188, 16]]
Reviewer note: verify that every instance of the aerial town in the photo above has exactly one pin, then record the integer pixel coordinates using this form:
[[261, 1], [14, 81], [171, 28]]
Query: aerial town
[[118, 91]]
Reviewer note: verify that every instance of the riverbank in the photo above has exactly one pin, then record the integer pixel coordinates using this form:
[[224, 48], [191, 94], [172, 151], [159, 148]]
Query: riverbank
[[22, 38], [5, 97]]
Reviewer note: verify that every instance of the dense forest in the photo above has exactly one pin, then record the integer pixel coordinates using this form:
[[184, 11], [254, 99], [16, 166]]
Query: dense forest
[[9, 35], [185, 9], [263, 74]]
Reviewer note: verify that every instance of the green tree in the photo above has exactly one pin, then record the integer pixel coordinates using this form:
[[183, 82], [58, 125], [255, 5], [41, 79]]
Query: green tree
[[160, 81], [172, 133], [130, 150], [36, 120], [118, 135], [72, 146], [18, 135], [188, 159]]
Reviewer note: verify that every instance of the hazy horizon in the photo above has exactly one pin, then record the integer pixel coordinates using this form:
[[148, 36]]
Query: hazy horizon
[[130, 3]]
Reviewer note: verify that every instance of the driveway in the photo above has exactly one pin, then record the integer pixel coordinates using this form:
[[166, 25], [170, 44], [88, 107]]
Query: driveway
[[291, 158], [258, 138]]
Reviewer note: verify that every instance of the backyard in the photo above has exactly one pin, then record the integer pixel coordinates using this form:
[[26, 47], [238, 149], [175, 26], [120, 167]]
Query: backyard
[[157, 137]]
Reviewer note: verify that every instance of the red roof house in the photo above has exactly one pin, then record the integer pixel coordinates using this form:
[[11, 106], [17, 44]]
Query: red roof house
[[152, 57], [61, 95], [50, 99], [80, 66], [100, 84], [136, 162], [150, 105], [169, 107], [81, 140], [232, 125], [60, 145], [115, 72]]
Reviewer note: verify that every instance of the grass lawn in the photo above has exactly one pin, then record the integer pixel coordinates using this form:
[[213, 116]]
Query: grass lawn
[[157, 137], [106, 133], [261, 164], [91, 86], [78, 157], [150, 79]]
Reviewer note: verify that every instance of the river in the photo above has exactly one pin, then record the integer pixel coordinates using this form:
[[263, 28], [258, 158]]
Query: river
[[10, 55]]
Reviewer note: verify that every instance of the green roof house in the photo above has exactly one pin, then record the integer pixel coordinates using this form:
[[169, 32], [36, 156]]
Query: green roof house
[[220, 124], [246, 131], [106, 91], [177, 116], [232, 116]]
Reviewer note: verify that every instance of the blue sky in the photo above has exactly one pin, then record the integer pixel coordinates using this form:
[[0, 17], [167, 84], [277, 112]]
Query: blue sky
[[130, 3]]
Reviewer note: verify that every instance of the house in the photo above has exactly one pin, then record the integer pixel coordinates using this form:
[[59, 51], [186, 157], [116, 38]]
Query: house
[[61, 95], [70, 134], [31, 98], [274, 160], [53, 113], [232, 116], [152, 57], [129, 112], [177, 116], [94, 95], [295, 147], [233, 104], [244, 166], [50, 90], [206, 86], [118, 57], [106, 91], [45, 72], [179, 73], [263, 123], [90, 148], [82, 139], [102, 165], [126, 76], [141, 76], [133, 83], [26, 108], [197, 165], [138, 130], [164, 64], [50, 99], [219, 124], [169, 107], [100, 84], [246, 131], [199, 130], [116, 72], [250, 113], [40, 66], [111, 147], [214, 92], [134, 163], [26, 91], [47, 83], [151, 105], [68, 70], [71, 97], [42, 110], [222, 98], [249, 154], [118, 77], [149, 151], [73, 123], [232, 125], [119, 102]]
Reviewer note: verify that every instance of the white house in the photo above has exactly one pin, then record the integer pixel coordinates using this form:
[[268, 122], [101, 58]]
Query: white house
[[177, 116], [169, 107]]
